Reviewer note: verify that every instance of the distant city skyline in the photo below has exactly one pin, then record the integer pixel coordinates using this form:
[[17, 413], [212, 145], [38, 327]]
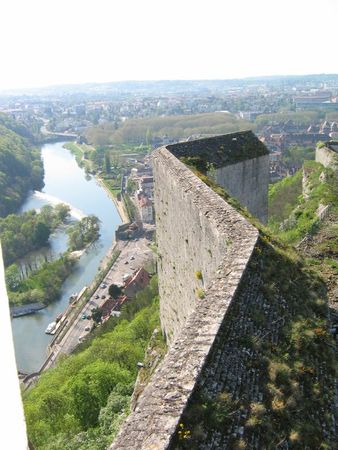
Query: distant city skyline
[[46, 42]]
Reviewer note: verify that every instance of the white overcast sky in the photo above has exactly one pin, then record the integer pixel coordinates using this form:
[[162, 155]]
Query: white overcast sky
[[46, 42]]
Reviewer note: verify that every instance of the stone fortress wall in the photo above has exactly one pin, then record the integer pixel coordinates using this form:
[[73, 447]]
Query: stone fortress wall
[[195, 230], [328, 155], [248, 182], [238, 162], [218, 312], [204, 248]]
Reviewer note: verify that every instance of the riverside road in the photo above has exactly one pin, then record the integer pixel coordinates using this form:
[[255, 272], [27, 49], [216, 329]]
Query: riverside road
[[134, 254]]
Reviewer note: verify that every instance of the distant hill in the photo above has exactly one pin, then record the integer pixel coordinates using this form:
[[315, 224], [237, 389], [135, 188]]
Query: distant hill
[[150, 87]]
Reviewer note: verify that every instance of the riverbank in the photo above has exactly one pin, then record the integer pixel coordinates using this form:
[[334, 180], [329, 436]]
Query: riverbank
[[77, 151], [24, 310], [119, 204], [64, 180]]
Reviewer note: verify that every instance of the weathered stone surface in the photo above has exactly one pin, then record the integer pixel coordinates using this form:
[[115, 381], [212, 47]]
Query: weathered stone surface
[[197, 232], [212, 300], [222, 150], [248, 182], [327, 156]]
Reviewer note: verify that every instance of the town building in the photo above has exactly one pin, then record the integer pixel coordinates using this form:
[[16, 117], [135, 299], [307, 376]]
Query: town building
[[138, 281]]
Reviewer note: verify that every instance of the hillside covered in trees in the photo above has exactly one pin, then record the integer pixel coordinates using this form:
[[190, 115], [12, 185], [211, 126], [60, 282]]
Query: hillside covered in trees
[[80, 403], [21, 168]]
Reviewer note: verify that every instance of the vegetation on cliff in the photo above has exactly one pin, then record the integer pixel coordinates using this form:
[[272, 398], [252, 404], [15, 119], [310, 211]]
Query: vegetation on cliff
[[296, 204], [283, 198], [21, 167], [295, 375], [81, 402]]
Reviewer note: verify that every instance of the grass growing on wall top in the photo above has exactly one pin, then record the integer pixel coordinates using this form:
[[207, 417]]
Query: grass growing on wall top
[[295, 376]]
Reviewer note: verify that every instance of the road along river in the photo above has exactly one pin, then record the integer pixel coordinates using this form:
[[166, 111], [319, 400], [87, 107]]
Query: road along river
[[65, 182]]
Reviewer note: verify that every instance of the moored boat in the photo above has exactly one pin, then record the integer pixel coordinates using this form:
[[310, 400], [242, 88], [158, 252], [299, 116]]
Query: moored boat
[[50, 328]]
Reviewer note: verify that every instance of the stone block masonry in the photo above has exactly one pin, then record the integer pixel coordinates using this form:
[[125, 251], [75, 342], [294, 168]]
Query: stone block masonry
[[204, 247], [239, 162], [218, 313], [195, 229], [248, 182], [328, 155]]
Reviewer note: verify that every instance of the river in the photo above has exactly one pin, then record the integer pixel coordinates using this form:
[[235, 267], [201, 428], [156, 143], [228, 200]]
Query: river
[[64, 181]]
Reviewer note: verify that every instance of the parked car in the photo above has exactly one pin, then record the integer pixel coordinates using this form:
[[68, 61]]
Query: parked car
[[87, 328], [97, 296], [103, 296], [84, 316]]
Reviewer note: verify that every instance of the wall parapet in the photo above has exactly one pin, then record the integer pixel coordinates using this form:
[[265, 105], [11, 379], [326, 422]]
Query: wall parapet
[[209, 223], [328, 155]]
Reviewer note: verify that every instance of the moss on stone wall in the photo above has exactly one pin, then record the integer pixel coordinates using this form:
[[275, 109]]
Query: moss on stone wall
[[219, 150]]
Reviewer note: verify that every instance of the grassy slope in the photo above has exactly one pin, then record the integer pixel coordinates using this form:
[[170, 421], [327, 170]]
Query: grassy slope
[[297, 375], [286, 201]]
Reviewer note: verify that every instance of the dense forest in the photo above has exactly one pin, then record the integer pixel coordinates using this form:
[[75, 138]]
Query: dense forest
[[80, 403], [21, 168]]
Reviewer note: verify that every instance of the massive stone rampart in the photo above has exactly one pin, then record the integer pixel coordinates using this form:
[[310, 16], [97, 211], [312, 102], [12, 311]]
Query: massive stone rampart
[[248, 182], [204, 248], [195, 230], [239, 162], [328, 155]]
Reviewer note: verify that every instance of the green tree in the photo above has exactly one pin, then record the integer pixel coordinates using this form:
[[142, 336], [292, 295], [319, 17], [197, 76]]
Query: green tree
[[41, 234], [86, 406], [114, 290], [149, 138], [131, 186], [62, 211], [107, 163], [84, 232], [97, 315], [13, 277]]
